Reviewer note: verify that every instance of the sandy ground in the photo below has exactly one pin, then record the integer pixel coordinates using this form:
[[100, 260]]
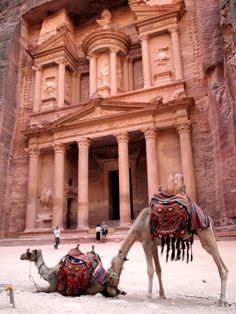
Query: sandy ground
[[190, 288]]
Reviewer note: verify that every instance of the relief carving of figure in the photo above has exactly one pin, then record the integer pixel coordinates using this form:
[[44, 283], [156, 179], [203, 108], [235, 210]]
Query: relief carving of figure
[[67, 87], [103, 77], [49, 87], [162, 57], [46, 198], [119, 76], [105, 21]]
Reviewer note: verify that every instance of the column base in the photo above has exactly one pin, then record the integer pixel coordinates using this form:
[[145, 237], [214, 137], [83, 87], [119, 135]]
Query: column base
[[82, 229], [123, 227]]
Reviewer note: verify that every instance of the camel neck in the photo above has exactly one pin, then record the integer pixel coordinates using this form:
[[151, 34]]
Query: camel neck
[[43, 270], [128, 242]]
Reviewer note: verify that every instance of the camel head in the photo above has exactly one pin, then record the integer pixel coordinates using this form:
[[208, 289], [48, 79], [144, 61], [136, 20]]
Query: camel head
[[31, 255], [114, 273], [174, 184]]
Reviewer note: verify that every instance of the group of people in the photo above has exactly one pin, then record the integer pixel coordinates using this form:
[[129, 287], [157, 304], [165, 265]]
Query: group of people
[[101, 230]]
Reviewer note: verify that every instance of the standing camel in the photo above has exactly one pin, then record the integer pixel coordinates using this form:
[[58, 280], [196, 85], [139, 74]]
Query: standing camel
[[141, 231], [52, 274]]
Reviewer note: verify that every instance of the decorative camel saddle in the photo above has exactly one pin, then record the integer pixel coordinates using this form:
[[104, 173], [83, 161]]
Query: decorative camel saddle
[[75, 269], [174, 219]]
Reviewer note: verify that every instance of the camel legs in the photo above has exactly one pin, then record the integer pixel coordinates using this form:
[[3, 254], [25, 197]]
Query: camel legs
[[150, 269], [208, 242], [158, 271]]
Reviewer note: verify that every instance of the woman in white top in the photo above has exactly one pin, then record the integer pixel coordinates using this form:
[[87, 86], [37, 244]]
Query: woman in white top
[[98, 233]]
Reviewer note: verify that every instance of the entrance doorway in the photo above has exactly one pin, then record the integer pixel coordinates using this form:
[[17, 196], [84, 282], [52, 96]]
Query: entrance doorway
[[114, 200], [114, 195]]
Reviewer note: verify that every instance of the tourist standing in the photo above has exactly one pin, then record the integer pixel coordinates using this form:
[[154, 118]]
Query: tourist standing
[[98, 233], [104, 230], [57, 235]]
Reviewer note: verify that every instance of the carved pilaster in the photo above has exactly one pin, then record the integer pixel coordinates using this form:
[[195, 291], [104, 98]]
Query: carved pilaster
[[145, 60], [33, 152], [59, 147], [149, 133], [84, 143], [122, 137], [173, 28], [184, 127]]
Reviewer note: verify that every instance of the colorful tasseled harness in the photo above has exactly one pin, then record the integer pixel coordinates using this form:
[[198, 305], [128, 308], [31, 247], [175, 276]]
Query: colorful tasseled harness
[[172, 219]]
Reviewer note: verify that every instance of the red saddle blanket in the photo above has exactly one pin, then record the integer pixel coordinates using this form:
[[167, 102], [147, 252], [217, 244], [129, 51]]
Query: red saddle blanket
[[168, 219], [171, 218], [75, 270], [175, 215]]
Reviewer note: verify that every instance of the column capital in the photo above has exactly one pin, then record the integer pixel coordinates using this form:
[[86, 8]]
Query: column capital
[[143, 36], [149, 132], [92, 54], [37, 67], [58, 147], [62, 60], [122, 137], [173, 29], [183, 127], [84, 143], [114, 49], [33, 152]]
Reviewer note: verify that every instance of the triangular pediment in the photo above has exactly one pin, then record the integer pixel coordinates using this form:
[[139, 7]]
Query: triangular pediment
[[62, 40], [144, 9], [98, 111]]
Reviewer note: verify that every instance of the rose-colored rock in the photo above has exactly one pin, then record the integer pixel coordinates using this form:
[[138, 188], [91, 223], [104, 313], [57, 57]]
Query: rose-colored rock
[[98, 107]]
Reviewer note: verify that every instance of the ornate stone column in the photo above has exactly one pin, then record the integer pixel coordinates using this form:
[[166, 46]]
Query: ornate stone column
[[92, 73], [37, 88], [176, 52], [31, 207], [151, 155], [124, 182], [74, 88], [58, 201], [78, 89], [83, 181], [131, 74], [145, 60], [113, 71], [126, 73], [187, 159], [61, 82]]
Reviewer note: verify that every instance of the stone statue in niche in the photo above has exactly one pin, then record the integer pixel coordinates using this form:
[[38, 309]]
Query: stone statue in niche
[[49, 87], [119, 76], [67, 86], [162, 57], [105, 21], [46, 198], [103, 77]]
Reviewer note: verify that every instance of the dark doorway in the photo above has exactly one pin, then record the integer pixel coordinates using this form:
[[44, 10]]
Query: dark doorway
[[114, 200], [68, 214]]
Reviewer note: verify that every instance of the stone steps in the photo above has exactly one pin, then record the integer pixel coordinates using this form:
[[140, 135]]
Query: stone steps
[[115, 235]]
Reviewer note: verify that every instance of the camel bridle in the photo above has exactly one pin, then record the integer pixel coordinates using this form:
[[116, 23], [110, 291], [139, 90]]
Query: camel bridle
[[112, 274]]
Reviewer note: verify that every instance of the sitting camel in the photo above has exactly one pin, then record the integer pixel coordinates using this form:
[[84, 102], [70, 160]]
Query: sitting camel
[[52, 274], [141, 231]]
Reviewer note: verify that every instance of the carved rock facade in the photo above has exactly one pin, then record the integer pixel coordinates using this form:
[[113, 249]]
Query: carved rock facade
[[112, 103]]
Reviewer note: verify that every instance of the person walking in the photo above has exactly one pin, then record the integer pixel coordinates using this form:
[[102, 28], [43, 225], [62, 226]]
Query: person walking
[[98, 233], [57, 235]]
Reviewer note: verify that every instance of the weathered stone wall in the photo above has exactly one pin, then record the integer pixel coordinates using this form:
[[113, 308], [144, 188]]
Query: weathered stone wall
[[218, 68], [9, 71]]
